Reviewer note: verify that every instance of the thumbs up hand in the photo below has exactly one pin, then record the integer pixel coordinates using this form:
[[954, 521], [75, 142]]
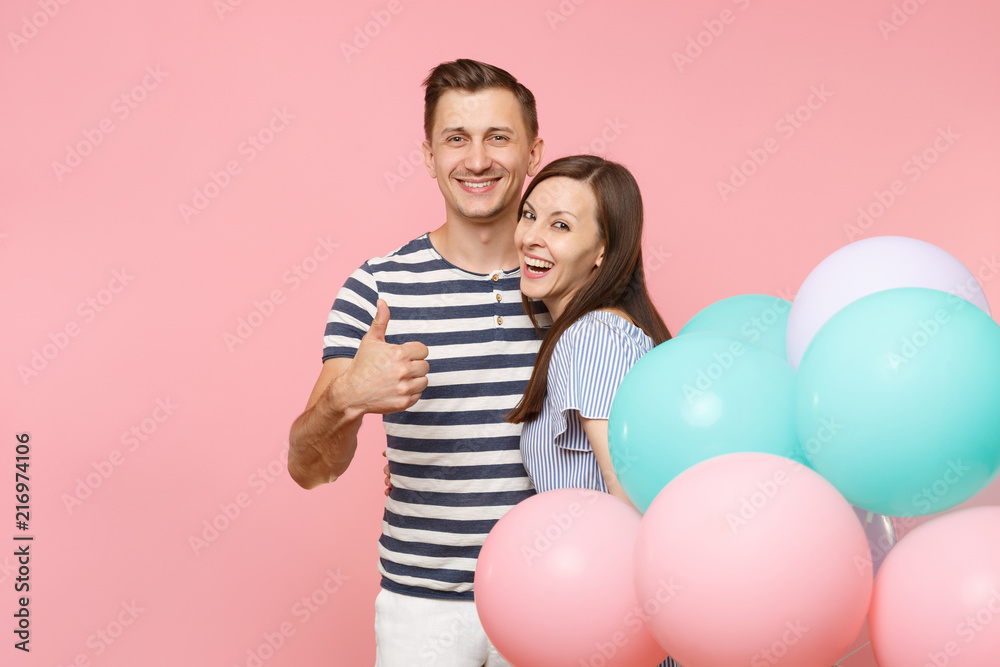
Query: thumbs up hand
[[383, 377]]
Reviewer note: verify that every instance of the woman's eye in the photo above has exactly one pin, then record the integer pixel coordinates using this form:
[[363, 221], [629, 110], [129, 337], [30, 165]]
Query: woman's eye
[[560, 222], [528, 214]]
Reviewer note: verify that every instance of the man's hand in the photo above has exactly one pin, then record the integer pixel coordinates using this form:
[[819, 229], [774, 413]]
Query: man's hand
[[383, 378]]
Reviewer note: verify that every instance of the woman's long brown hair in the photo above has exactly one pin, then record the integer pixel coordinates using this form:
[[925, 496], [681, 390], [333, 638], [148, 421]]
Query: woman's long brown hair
[[617, 283]]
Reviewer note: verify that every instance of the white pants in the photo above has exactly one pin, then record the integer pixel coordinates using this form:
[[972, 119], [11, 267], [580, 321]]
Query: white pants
[[422, 632]]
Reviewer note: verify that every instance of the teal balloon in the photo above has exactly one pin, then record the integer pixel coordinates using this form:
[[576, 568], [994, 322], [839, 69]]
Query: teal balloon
[[695, 397], [898, 401], [759, 318]]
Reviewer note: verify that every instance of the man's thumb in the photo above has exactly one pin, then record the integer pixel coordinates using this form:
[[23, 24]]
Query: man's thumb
[[381, 321]]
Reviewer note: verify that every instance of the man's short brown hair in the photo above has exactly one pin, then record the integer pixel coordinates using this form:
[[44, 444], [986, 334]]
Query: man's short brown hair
[[473, 76]]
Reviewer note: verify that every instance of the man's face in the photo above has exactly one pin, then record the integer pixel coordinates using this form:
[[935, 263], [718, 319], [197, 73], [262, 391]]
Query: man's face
[[479, 152]]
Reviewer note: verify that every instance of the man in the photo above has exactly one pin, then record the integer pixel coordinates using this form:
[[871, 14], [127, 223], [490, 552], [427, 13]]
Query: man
[[434, 337]]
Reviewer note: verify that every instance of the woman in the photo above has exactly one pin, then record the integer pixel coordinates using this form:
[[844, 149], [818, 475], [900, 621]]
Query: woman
[[579, 239]]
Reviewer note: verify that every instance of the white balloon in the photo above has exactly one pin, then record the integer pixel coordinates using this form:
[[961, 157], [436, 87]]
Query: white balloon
[[868, 266]]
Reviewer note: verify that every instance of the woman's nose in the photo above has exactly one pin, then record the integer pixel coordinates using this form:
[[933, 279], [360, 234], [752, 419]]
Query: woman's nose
[[530, 235]]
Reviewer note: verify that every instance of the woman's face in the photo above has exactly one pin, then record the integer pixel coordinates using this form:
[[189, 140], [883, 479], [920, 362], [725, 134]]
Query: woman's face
[[558, 241]]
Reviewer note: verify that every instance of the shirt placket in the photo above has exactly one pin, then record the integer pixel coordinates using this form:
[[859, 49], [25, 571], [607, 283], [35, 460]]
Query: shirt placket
[[497, 298]]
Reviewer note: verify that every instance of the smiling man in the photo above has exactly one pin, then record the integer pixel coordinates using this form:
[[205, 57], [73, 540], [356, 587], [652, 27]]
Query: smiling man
[[433, 336]]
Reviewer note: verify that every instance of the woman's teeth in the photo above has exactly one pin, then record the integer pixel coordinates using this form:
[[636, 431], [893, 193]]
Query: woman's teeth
[[538, 265]]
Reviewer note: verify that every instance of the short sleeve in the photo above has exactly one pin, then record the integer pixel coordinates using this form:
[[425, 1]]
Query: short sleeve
[[588, 363], [351, 315]]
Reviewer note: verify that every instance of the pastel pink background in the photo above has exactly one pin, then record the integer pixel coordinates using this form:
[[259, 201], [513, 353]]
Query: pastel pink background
[[606, 81]]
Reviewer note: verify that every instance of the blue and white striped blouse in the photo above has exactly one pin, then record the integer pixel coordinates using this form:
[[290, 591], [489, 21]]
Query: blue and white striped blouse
[[588, 363]]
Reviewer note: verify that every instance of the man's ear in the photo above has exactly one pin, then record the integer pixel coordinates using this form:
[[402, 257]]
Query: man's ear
[[535, 156], [425, 149]]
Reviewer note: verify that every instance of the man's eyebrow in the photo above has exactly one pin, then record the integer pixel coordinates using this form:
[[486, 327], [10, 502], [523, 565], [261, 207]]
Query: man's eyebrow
[[489, 130]]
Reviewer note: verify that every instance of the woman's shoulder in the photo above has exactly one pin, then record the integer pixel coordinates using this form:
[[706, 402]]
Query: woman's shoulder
[[602, 313], [603, 327], [585, 328], [601, 320]]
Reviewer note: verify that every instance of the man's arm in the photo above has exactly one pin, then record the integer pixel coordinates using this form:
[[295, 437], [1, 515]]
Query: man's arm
[[381, 378], [324, 437]]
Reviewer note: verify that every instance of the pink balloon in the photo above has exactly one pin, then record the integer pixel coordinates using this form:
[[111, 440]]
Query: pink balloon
[[937, 597], [554, 583], [767, 563], [868, 266]]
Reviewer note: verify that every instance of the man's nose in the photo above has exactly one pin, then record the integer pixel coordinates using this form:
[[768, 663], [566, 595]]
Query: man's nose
[[477, 160]]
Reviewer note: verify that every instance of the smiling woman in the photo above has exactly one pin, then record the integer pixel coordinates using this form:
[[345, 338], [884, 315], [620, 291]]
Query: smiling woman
[[579, 240]]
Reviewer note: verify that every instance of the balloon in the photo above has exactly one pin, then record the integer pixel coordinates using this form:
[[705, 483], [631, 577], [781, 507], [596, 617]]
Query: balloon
[[869, 266], [896, 401], [554, 583], [937, 598], [694, 397], [758, 318], [765, 561], [881, 533]]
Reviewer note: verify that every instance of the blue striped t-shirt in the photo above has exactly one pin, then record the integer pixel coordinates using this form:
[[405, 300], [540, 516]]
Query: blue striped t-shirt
[[588, 363], [454, 463]]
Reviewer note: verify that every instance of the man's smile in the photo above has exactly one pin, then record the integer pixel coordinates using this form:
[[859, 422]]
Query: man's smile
[[477, 185]]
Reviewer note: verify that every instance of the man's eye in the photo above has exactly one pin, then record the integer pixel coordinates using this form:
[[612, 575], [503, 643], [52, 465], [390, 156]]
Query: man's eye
[[499, 137]]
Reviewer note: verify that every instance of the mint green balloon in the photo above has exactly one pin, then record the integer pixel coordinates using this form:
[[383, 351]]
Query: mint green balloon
[[898, 401], [695, 397], [759, 318]]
